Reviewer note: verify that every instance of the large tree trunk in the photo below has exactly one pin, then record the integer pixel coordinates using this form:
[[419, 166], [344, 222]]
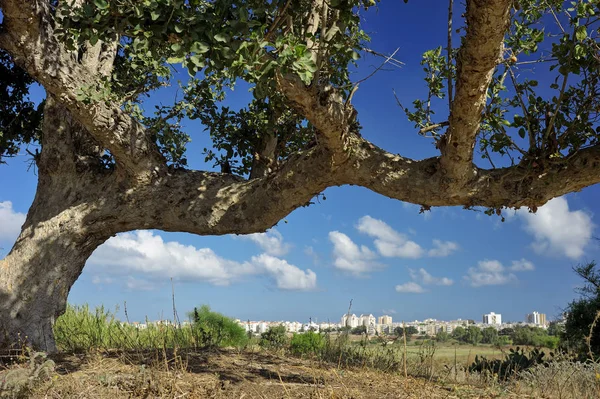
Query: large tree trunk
[[57, 237], [38, 273]]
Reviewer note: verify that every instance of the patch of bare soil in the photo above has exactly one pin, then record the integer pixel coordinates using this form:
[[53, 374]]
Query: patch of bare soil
[[231, 374]]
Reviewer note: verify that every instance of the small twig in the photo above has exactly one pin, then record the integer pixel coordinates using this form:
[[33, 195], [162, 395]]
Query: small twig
[[532, 143], [429, 128], [449, 50], [388, 59], [392, 61]]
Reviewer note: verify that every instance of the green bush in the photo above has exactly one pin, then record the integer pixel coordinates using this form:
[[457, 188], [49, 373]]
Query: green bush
[[274, 338], [212, 329], [309, 343]]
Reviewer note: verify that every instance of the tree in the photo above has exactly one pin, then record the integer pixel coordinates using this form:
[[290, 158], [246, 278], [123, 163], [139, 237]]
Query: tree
[[582, 312], [442, 336], [489, 335], [459, 334], [410, 331], [106, 166], [473, 335], [360, 330]]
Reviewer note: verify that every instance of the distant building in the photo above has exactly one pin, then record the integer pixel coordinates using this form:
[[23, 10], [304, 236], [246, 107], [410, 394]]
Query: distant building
[[384, 320], [536, 318], [350, 321], [369, 321], [492, 319]]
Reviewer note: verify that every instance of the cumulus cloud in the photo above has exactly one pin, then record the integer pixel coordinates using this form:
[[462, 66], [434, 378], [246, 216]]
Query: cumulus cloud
[[490, 272], [410, 288], [522, 265], [425, 278], [350, 257], [144, 252], [442, 248], [271, 242], [557, 229], [10, 222], [287, 277], [389, 242]]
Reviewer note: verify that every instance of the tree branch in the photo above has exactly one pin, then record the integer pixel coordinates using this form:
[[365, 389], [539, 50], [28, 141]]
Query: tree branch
[[29, 37], [480, 53]]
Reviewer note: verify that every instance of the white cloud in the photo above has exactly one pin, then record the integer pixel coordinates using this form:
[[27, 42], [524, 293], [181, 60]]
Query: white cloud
[[489, 272], [350, 257], [388, 241], [557, 229], [287, 277], [102, 280], [410, 287], [388, 311], [10, 222], [271, 242], [424, 277], [442, 248], [522, 265], [139, 284], [144, 252]]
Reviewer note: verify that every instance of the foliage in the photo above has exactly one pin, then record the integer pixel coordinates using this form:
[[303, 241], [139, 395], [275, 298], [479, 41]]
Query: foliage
[[218, 43], [214, 330], [489, 335], [582, 312], [359, 330], [410, 331], [308, 343], [80, 329], [20, 118], [274, 338], [442, 336], [515, 361]]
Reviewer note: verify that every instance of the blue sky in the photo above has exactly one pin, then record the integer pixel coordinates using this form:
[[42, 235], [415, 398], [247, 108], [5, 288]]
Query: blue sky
[[448, 263]]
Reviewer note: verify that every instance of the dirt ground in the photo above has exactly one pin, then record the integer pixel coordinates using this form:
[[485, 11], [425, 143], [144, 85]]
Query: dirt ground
[[231, 374]]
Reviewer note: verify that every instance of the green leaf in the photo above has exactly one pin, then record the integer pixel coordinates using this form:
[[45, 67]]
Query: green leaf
[[154, 15], [331, 32], [581, 33], [93, 39], [101, 4], [199, 47], [221, 37], [176, 47], [175, 60], [178, 28]]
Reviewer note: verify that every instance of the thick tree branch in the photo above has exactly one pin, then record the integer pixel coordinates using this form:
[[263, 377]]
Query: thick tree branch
[[326, 111], [29, 37], [419, 182], [480, 53]]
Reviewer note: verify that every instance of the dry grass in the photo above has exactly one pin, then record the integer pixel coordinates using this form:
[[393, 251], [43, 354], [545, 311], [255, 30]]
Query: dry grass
[[232, 374]]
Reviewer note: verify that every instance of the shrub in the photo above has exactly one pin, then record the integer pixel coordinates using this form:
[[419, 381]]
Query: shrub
[[212, 329], [274, 338], [515, 361], [309, 343]]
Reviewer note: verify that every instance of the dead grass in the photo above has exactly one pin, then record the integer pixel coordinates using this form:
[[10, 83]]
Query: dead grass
[[232, 374]]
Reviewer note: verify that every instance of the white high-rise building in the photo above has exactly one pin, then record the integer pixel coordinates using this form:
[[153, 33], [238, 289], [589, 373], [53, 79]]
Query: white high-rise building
[[350, 321], [492, 318], [385, 319], [369, 321]]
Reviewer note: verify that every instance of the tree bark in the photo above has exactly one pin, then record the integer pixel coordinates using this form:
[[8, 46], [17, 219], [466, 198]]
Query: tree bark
[[38, 273]]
